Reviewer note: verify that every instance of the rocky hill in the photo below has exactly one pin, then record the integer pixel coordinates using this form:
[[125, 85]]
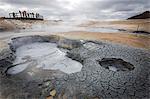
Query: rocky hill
[[144, 15]]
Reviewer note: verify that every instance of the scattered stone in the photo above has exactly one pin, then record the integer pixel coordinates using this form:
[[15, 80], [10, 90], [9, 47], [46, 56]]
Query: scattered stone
[[53, 93]]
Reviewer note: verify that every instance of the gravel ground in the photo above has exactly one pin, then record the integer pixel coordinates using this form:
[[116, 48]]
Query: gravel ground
[[110, 71]]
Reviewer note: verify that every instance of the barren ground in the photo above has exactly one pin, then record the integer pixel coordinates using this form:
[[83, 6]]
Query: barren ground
[[82, 30], [110, 65], [135, 40]]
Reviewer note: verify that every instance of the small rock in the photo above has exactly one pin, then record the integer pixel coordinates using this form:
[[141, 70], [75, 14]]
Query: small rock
[[47, 83], [53, 93]]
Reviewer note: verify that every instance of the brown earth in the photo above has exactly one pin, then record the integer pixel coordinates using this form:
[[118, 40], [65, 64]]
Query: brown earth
[[9, 24], [123, 37], [129, 25], [135, 40]]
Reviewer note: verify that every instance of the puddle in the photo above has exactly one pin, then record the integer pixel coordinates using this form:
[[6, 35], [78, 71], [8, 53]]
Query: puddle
[[115, 64], [45, 56], [98, 29]]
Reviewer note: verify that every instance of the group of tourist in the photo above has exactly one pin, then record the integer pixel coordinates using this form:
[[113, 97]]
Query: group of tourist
[[24, 14]]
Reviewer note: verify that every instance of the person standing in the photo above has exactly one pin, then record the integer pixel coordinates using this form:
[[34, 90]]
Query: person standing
[[25, 13], [13, 14], [33, 14], [28, 15], [36, 15], [20, 13]]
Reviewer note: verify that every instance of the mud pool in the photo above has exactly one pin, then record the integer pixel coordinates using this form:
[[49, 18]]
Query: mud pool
[[45, 56]]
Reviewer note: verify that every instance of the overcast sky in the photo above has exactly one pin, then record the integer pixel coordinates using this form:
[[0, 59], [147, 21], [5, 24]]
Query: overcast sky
[[77, 9]]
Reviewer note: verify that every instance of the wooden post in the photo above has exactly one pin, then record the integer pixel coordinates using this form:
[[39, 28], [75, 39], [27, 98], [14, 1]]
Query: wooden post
[[138, 27]]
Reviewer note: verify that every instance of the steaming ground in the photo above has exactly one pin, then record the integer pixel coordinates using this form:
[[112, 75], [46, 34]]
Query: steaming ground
[[114, 31]]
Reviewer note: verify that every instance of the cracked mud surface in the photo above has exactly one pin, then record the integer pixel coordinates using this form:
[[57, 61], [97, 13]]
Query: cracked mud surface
[[92, 81]]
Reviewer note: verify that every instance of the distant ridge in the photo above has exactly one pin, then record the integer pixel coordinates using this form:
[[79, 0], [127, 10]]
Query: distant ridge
[[144, 15]]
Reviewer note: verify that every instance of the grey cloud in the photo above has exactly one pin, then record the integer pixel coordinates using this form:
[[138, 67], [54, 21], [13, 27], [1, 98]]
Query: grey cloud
[[96, 9]]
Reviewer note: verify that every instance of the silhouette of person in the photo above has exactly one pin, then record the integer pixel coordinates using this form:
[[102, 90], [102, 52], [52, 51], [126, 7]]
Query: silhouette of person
[[33, 15], [36, 15], [10, 15], [13, 15], [20, 13], [28, 15], [25, 13]]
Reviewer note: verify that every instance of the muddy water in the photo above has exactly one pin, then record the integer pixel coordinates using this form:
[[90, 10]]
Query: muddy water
[[45, 56], [103, 30]]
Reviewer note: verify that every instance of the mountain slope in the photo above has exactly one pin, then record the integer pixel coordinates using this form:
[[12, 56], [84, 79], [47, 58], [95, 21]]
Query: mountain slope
[[144, 15]]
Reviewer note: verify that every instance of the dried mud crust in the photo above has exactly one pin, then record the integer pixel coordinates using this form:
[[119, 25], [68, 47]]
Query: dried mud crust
[[96, 81], [92, 81], [6, 56]]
